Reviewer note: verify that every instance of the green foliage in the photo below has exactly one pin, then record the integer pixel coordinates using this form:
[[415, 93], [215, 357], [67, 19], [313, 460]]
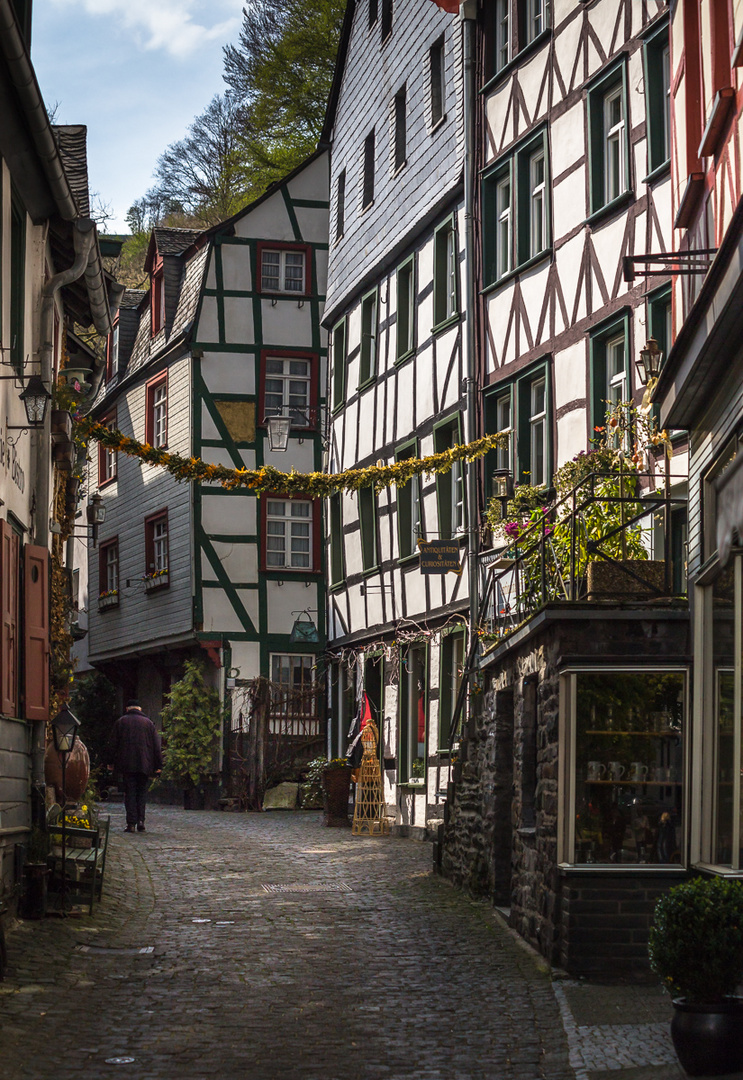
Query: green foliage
[[281, 70], [94, 702], [191, 727], [696, 940]]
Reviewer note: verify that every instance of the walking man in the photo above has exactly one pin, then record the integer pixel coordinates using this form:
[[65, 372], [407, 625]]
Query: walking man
[[136, 752]]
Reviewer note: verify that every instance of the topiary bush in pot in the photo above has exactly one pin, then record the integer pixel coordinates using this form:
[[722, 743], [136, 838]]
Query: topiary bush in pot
[[696, 948]]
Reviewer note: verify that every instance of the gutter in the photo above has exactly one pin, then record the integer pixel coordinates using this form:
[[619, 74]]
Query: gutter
[[23, 77]]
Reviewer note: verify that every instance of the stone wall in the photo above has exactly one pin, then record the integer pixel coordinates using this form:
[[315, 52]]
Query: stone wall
[[502, 814]]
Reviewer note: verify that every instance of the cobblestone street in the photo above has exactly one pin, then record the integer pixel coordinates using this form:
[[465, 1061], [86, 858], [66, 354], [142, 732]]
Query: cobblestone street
[[278, 949]]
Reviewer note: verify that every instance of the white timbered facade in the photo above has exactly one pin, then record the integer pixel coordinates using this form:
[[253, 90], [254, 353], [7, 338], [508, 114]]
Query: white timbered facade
[[395, 311], [575, 159], [228, 334]]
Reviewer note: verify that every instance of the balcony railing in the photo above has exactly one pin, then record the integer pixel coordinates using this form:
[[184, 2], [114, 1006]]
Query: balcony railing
[[612, 538]]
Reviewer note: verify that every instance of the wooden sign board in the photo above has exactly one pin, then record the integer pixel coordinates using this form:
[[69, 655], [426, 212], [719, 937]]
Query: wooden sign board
[[439, 557]]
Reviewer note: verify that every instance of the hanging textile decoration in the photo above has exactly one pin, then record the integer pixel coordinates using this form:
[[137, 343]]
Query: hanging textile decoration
[[316, 485], [452, 6]]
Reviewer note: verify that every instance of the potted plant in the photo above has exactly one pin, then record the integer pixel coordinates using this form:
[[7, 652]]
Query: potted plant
[[192, 721], [696, 947], [35, 874], [335, 777]]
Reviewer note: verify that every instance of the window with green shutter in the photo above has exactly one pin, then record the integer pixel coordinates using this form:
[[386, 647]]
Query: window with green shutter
[[608, 145], [368, 527], [339, 364]]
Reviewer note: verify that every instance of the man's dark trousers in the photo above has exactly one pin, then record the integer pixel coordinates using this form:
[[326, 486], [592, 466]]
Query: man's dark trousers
[[135, 796]]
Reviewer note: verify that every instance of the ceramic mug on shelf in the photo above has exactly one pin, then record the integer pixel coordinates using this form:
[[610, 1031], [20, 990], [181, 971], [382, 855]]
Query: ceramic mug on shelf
[[595, 770], [660, 774], [616, 770], [638, 772]]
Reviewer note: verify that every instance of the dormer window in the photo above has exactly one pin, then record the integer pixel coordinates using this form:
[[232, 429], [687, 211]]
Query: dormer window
[[158, 300], [284, 269]]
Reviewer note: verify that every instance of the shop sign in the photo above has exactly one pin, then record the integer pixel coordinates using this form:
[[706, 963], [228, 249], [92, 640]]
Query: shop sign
[[439, 557]]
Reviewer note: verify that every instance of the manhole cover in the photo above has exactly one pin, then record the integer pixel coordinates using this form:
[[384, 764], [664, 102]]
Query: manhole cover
[[322, 887]]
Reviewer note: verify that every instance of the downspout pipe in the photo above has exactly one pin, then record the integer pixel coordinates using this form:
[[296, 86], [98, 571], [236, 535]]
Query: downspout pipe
[[469, 30], [84, 243]]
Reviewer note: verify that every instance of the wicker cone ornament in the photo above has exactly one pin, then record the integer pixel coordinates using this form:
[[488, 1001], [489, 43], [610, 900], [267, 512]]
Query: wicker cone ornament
[[368, 814]]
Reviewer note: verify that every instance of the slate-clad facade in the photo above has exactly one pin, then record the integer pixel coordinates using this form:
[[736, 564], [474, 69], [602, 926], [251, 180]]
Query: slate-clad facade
[[186, 570], [396, 314]]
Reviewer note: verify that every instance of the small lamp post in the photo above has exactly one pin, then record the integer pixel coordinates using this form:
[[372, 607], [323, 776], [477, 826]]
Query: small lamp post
[[64, 733], [278, 432], [649, 364], [95, 513]]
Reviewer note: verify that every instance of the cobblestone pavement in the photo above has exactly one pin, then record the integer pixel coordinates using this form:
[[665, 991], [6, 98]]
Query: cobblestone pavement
[[280, 950]]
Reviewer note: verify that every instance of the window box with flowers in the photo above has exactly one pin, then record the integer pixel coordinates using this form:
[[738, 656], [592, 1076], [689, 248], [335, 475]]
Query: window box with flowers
[[158, 579], [108, 599]]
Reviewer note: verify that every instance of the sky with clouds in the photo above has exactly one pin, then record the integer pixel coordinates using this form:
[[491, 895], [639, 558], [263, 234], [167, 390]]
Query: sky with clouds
[[136, 72]]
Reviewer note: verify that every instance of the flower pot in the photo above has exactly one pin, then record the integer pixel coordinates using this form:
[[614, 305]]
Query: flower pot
[[35, 877], [336, 785], [76, 773], [708, 1039]]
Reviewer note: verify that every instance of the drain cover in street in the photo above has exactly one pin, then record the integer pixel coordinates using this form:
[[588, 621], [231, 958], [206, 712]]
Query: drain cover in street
[[322, 887], [102, 950]]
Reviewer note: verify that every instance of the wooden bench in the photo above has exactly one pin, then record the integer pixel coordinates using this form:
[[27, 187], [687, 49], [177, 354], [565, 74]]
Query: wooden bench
[[85, 859]]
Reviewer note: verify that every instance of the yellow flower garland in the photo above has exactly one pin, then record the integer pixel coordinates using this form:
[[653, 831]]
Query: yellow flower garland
[[269, 479]]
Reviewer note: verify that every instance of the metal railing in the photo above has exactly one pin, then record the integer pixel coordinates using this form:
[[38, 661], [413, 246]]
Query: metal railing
[[591, 545]]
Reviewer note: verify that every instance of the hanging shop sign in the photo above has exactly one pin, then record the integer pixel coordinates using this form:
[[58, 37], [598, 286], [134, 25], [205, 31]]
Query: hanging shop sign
[[439, 557]]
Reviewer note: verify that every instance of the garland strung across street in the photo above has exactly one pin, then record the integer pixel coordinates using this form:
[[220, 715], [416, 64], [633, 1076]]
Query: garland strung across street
[[269, 479]]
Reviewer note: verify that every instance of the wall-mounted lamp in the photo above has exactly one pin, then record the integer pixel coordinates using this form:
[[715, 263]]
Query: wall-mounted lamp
[[278, 432], [35, 398], [95, 513], [502, 487], [649, 364]]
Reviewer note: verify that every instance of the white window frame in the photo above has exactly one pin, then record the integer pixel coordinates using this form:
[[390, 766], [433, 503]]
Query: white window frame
[[112, 567], [614, 145], [666, 68], [537, 203], [299, 412], [502, 34], [535, 19], [504, 238], [160, 414], [504, 423], [160, 544], [293, 557], [616, 381], [286, 284], [537, 425], [115, 348]]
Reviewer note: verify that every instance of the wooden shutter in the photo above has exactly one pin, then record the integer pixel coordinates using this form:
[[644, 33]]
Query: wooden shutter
[[36, 631], [9, 554]]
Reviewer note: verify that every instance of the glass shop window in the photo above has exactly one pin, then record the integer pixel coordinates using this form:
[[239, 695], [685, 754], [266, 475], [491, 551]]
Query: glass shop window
[[726, 811], [628, 780]]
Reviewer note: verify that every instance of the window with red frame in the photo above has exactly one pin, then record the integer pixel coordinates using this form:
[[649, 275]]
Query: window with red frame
[[156, 422], [156, 546], [108, 568], [158, 302], [107, 458], [287, 386], [284, 269]]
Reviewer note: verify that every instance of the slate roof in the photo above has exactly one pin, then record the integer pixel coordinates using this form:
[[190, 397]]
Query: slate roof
[[132, 298], [72, 140], [174, 241]]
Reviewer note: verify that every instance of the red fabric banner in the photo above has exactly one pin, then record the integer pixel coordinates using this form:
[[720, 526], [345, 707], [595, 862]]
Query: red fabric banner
[[452, 6]]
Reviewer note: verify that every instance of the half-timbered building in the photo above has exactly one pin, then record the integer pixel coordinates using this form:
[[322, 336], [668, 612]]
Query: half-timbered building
[[701, 389], [227, 334], [395, 311], [572, 780]]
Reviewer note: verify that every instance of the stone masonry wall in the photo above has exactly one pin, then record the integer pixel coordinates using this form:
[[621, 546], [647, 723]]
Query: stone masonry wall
[[502, 813]]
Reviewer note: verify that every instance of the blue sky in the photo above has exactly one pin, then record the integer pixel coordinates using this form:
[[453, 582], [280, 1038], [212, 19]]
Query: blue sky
[[136, 72]]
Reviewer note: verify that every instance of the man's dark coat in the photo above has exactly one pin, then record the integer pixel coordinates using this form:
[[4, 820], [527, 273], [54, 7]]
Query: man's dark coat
[[135, 745]]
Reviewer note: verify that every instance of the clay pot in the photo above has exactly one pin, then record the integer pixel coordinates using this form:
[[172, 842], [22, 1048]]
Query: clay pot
[[707, 1038], [77, 772]]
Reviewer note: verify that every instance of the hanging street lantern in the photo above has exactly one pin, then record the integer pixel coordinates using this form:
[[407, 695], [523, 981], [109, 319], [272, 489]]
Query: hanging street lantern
[[278, 432], [35, 398], [649, 364]]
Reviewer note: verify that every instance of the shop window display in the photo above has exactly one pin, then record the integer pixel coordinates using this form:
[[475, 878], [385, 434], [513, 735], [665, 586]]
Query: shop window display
[[628, 778]]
